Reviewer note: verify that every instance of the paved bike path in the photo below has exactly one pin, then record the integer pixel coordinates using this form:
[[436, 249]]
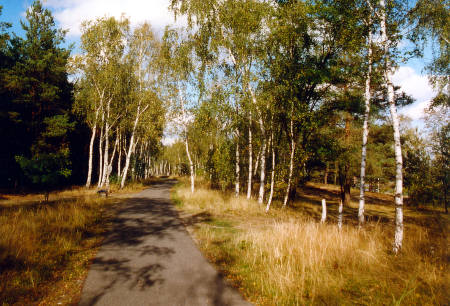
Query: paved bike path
[[148, 258]]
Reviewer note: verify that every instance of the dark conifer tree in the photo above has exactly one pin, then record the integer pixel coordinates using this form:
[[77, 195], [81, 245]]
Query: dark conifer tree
[[41, 99]]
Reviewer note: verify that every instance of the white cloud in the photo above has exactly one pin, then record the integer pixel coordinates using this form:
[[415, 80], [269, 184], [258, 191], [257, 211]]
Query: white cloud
[[417, 86], [70, 13]]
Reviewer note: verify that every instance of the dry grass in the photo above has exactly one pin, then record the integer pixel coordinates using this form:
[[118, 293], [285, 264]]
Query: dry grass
[[46, 247], [286, 257]]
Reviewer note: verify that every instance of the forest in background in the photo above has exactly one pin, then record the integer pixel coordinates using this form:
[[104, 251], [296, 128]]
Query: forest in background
[[260, 97]]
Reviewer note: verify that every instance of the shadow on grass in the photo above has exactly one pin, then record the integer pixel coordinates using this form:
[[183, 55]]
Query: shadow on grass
[[308, 201]]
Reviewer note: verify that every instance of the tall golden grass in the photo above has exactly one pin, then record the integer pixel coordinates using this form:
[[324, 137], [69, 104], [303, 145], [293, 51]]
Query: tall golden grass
[[45, 247], [287, 258]]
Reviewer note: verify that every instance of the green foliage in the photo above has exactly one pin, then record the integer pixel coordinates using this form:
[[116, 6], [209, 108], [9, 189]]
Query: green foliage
[[418, 178], [430, 21], [222, 164], [46, 171], [37, 100]]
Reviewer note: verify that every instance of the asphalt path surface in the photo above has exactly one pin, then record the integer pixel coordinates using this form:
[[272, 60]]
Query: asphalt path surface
[[148, 258]]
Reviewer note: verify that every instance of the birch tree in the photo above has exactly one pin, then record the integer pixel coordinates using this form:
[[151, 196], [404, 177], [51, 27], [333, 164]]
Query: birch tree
[[178, 66], [99, 67], [365, 133], [238, 37], [388, 72], [142, 53]]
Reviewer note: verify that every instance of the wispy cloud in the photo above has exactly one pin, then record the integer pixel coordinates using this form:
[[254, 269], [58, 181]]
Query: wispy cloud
[[71, 13], [418, 87]]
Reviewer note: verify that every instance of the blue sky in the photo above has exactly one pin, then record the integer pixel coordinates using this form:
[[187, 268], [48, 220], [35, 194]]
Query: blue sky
[[70, 13]]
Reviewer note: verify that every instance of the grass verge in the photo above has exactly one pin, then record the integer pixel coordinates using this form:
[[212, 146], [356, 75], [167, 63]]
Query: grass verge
[[46, 247], [286, 257]]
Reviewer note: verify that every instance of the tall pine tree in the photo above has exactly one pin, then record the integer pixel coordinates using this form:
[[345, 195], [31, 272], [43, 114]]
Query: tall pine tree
[[41, 99]]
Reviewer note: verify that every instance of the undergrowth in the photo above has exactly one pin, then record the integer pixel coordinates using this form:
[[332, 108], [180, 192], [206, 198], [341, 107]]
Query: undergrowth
[[45, 247], [286, 257]]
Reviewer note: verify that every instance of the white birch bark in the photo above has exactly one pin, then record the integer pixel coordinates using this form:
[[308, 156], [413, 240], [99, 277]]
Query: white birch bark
[[365, 134], [258, 158], [324, 211], [106, 149], [191, 164], [109, 168], [131, 144], [272, 178], [119, 158], [263, 146], [237, 166], [100, 150], [250, 158], [263, 135], [341, 208], [398, 238], [291, 160], [91, 152], [262, 178]]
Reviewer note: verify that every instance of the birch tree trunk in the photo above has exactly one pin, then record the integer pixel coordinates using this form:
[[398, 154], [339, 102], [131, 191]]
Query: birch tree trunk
[[346, 183], [291, 161], [250, 158], [398, 239], [119, 158], [191, 164], [100, 159], [341, 208], [263, 146], [258, 157], [263, 171], [237, 166], [272, 178], [130, 148], [109, 168], [365, 134], [91, 153], [106, 149], [324, 211]]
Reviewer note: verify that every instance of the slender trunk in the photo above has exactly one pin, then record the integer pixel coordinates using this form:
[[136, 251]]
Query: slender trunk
[[246, 71], [109, 168], [250, 158], [291, 160], [365, 132], [238, 168], [345, 181], [127, 161], [325, 175], [100, 159], [131, 145], [340, 214], [258, 157], [262, 178], [191, 164], [324, 211], [106, 150], [263, 146], [272, 177], [91, 153], [119, 158], [398, 239]]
